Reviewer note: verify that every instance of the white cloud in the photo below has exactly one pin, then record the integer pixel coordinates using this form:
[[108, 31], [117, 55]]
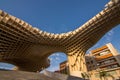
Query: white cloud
[[51, 59], [53, 68], [6, 66], [110, 33], [55, 60], [57, 54], [109, 36]]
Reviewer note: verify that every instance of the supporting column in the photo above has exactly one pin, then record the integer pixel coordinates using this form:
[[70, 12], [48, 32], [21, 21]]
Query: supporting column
[[76, 64]]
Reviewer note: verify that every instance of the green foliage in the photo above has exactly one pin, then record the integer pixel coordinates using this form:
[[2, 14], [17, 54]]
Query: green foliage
[[104, 75], [85, 75]]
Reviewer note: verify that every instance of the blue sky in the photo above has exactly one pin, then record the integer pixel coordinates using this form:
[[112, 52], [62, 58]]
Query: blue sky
[[59, 16]]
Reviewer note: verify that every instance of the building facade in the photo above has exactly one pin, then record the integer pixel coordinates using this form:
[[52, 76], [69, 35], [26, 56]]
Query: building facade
[[106, 59], [64, 67]]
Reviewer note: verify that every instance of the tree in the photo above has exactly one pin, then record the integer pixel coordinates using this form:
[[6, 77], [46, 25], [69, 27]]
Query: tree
[[85, 75], [103, 75]]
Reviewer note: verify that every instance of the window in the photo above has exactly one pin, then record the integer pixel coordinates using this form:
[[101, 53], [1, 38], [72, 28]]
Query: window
[[104, 53], [92, 62], [114, 66]]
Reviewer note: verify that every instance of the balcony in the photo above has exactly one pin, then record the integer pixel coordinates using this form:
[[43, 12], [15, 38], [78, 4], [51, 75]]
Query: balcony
[[99, 49], [108, 64], [103, 57]]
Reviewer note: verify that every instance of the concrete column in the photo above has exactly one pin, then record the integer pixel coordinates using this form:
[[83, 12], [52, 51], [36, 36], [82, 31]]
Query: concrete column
[[76, 64]]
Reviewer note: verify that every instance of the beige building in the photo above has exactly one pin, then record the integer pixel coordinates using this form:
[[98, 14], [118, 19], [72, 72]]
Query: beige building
[[64, 67], [106, 59]]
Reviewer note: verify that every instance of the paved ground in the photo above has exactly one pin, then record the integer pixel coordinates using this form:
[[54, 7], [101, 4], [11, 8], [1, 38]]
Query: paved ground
[[20, 75], [61, 76]]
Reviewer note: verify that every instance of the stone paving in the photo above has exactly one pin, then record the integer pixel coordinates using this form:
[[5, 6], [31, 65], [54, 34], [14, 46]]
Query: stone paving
[[61, 76], [20, 75]]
